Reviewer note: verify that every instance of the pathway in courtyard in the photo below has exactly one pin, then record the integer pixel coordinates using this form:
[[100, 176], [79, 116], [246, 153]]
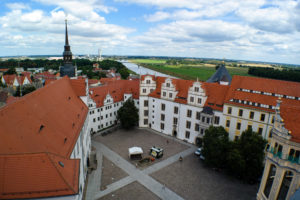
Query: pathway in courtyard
[[141, 176]]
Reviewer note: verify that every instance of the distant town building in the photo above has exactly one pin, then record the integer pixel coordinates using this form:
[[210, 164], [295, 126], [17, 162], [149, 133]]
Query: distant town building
[[67, 69], [14, 80]]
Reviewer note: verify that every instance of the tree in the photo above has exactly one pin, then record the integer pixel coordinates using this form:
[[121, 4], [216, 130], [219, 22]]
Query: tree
[[128, 114], [24, 89], [251, 146], [215, 146], [10, 71], [124, 73]]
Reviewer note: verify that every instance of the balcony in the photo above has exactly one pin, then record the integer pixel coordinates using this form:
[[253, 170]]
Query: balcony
[[284, 157]]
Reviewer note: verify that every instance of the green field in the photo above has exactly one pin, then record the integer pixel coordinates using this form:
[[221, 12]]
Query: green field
[[148, 61], [201, 71]]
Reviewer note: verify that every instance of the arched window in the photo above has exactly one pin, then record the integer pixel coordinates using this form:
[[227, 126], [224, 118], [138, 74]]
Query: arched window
[[270, 179], [285, 185]]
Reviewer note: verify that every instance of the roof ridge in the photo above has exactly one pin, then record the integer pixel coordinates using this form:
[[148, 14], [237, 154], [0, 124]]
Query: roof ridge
[[66, 182]]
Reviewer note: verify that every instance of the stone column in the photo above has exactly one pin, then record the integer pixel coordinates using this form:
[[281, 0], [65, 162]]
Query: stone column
[[263, 181], [277, 182]]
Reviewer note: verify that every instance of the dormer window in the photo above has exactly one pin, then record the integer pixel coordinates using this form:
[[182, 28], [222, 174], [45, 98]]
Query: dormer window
[[148, 81], [196, 89], [168, 84]]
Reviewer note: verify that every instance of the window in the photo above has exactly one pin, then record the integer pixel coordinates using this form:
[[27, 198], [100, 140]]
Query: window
[[146, 113], [164, 94], [196, 89], [145, 121], [176, 110], [217, 120], [262, 117], [198, 115], [203, 119], [260, 130], [251, 116], [197, 127], [162, 126], [101, 109], [187, 134], [148, 81], [273, 119], [189, 113], [98, 110], [227, 123], [98, 118], [229, 110], [238, 126], [110, 114], [207, 120], [106, 115], [175, 120], [202, 131], [94, 120], [101, 117], [144, 90], [191, 99], [188, 124], [163, 106], [151, 90], [168, 84], [146, 103], [249, 126], [240, 112], [162, 117], [199, 100], [170, 95]]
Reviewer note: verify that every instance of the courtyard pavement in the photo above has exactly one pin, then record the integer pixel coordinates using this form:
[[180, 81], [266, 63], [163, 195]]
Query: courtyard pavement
[[166, 178]]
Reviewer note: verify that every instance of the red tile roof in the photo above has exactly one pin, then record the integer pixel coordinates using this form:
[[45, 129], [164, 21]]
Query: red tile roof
[[46, 116], [261, 85], [291, 116], [9, 79], [79, 86], [116, 89], [3, 69], [47, 120], [37, 175]]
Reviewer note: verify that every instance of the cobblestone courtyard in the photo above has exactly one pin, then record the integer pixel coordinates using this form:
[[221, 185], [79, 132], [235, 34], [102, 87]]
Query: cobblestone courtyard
[[166, 178]]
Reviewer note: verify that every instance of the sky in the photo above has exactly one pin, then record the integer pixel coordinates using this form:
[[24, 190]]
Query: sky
[[259, 30]]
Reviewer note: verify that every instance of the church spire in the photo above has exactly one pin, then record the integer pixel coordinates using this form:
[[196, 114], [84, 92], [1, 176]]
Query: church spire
[[66, 40]]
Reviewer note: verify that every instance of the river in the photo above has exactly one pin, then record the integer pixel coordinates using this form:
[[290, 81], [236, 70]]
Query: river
[[142, 70]]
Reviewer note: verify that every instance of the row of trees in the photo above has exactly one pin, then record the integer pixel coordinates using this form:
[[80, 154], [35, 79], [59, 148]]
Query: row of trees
[[285, 74], [242, 158], [82, 64]]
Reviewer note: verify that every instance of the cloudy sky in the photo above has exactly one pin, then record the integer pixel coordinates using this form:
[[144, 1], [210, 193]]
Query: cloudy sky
[[263, 30]]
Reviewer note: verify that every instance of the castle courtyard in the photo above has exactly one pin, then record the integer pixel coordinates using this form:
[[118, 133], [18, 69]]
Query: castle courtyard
[[118, 177]]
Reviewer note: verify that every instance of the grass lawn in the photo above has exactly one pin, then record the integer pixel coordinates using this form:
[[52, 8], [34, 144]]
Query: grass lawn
[[192, 72], [148, 61]]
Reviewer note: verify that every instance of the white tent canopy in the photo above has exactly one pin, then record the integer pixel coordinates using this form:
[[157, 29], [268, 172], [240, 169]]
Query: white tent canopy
[[135, 151]]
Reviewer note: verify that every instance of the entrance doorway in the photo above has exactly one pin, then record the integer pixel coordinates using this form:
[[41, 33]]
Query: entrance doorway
[[175, 133]]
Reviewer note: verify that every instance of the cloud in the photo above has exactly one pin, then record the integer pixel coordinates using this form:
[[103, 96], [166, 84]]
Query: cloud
[[17, 6]]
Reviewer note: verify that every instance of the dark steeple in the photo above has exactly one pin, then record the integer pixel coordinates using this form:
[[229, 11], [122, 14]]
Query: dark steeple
[[68, 68]]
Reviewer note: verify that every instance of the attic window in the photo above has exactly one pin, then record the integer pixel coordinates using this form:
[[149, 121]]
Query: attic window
[[69, 98], [41, 127], [73, 125], [65, 140], [61, 164], [78, 115]]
